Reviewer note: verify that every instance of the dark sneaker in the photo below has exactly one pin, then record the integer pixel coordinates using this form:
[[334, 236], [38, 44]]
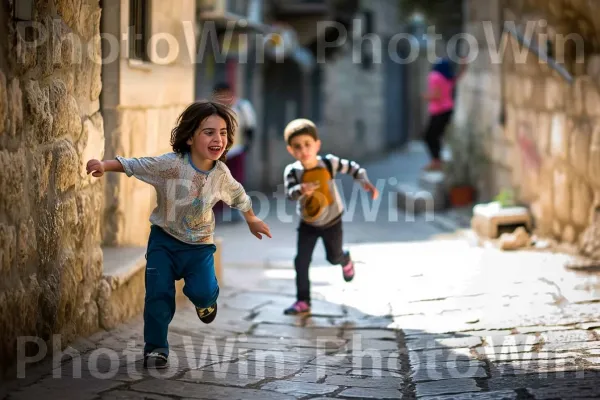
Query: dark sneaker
[[298, 308], [208, 314], [156, 360], [348, 271]]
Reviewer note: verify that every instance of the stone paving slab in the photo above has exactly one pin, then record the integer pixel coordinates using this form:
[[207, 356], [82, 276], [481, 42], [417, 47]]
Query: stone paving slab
[[300, 389], [496, 395], [452, 386], [369, 393], [442, 372], [131, 395], [202, 391], [366, 382]]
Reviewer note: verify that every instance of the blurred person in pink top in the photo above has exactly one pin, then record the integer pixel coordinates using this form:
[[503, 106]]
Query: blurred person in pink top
[[440, 95]]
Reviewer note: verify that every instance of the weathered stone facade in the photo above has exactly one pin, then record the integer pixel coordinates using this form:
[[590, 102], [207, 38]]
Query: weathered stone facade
[[50, 212], [548, 147]]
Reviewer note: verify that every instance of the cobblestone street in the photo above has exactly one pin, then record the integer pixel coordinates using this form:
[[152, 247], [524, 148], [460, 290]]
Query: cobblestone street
[[428, 316]]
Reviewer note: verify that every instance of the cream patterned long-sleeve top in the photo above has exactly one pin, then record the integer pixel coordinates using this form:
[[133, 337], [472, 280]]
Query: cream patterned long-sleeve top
[[186, 195]]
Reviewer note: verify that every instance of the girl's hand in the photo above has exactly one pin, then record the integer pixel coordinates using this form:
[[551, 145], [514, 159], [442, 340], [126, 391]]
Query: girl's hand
[[368, 186], [96, 167], [257, 227]]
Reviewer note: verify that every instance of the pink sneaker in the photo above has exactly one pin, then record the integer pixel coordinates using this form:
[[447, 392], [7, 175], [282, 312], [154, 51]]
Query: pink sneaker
[[299, 307], [348, 271]]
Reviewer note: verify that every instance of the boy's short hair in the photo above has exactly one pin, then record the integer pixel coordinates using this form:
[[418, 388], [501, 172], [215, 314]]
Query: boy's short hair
[[300, 126], [221, 87]]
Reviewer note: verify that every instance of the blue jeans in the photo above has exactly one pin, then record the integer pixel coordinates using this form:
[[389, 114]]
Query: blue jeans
[[168, 260]]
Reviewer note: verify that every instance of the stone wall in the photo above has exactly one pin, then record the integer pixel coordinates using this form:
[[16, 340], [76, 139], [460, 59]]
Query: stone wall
[[548, 149], [141, 103], [50, 258]]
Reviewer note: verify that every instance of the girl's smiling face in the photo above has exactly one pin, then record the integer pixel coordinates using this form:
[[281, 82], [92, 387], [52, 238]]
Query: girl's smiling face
[[209, 141]]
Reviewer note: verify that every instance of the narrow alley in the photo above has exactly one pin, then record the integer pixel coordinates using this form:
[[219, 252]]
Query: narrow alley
[[430, 315]]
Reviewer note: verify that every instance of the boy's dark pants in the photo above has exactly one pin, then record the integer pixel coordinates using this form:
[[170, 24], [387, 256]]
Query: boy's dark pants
[[168, 260], [307, 240]]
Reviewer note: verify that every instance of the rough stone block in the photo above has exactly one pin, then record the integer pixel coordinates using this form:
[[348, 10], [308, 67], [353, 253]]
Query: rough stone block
[[3, 102], [65, 111], [95, 49], [562, 194], [488, 219], [576, 97], [583, 197], [581, 135], [26, 245], [416, 200], [511, 123], [8, 246], [25, 52], [38, 107], [41, 172], [12, 183], [594, 155], [543, 129], [592, 99], [526, 85], [69, 11], [555, 94], [67, 166], [15, 107], [559, 139], [569, 234]]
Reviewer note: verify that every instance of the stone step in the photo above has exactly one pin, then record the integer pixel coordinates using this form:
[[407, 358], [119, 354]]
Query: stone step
[[413, 198], [122, 289]]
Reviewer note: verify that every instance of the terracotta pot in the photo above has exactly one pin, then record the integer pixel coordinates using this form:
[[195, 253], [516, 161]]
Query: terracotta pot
[[461, 196]]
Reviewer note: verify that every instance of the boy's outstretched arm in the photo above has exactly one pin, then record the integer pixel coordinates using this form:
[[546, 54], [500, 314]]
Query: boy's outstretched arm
[[97, 168], [352, 168]]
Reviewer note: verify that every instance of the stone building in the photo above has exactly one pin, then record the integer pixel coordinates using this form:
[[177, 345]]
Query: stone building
[[537, 122], [72, 246]]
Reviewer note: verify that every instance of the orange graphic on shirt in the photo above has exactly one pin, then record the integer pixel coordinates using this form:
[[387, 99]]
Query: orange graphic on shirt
[[322, 197]]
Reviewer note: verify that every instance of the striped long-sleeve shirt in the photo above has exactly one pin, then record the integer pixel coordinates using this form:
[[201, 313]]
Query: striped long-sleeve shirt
[[325, 205]]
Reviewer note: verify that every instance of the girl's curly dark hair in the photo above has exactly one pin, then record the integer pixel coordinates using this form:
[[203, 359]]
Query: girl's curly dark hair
[[189, 121]]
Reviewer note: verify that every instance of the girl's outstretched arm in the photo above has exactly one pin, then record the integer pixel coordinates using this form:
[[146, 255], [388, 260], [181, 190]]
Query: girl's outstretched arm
[[97, 168], [256, 225]]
